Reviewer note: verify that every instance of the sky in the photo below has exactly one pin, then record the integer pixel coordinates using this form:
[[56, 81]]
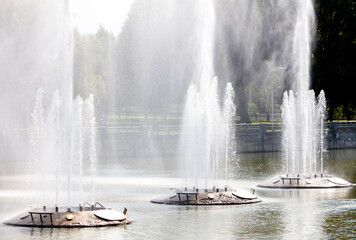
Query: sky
[[89, 14]]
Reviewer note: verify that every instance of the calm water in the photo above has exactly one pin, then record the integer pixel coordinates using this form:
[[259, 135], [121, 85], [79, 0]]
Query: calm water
[[132, 183]]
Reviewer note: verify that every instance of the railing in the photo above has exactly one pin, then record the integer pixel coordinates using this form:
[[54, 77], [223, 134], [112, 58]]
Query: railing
[[175, 129], [268, 127], [340, 124], [148, 129], [155, 129], [345, 123]]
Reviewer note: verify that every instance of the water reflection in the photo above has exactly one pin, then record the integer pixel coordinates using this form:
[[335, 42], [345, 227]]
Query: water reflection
[[341, 163], [340, 219], [283, 214]]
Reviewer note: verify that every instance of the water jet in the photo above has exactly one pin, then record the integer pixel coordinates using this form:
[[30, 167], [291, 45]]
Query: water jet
[[207, 140], [303, 117], [50, 134]]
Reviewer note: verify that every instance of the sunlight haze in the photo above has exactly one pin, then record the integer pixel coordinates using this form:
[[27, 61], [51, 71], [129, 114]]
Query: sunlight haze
[[89, 14]]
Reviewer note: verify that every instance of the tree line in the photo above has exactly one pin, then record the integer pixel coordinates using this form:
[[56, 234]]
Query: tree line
[[148, 67], [334, 56]]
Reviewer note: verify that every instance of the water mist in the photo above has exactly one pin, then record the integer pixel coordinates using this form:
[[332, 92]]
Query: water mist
[[207, 134], [303, 115], [207, 121]]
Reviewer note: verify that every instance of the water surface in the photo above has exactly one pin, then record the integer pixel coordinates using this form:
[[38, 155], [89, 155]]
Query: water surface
[[132, 183]]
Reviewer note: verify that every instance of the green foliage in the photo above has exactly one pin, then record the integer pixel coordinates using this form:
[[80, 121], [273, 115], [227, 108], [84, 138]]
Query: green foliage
[[95, 65], [340, 112], [261, 104], [119, 69], [334, 58], [252, 109]]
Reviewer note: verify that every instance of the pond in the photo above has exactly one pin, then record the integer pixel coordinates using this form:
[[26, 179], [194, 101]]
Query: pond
[[132, 183]]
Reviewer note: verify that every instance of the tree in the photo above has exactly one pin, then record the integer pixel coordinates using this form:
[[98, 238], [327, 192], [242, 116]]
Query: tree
[[94, 65], [334, 58]]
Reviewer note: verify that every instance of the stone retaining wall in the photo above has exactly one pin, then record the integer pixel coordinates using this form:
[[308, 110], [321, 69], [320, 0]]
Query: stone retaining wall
[[140, 142], [263, 139], [341, 137]]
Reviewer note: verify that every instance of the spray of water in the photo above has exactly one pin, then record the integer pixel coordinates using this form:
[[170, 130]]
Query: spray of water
[[229, 129], [38, 127], [77, 139], [303, 115], [89, 116], [206, 131], [49, 151], [303, 138]]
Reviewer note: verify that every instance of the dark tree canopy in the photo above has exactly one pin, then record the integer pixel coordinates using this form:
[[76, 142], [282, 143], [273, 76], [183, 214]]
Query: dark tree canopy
[[334, 59]]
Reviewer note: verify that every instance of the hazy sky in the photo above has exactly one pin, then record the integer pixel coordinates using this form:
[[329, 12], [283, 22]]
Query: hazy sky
[[88, 14]]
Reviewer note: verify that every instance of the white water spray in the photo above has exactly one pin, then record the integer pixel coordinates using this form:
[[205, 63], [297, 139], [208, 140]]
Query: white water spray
[[89, 122], [78, 139], [207, 124], [50, 148], [303, 116]]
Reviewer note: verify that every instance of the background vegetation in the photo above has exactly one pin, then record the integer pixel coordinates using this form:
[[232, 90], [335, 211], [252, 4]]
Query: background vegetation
[[115, 69], [334, 58]]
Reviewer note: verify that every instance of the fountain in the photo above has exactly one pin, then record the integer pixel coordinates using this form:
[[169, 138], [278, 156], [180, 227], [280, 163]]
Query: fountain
[[303, 117], [82, 216], [49, 148], [207, 145], [62, 134], [303, 144], [207, 138]]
